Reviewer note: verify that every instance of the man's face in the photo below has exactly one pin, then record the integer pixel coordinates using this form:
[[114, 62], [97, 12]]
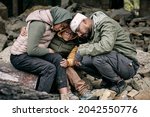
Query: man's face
[[84, 29]]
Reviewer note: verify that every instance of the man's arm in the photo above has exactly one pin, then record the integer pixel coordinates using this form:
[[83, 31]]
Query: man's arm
[[107, 37]]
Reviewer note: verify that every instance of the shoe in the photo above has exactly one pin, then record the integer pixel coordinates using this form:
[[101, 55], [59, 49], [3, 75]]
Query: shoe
[[72, 96], [119, 87], [88, 96], [64, 96]]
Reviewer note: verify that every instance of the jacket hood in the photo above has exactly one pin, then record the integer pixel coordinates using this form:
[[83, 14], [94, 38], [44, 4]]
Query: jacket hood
[[60, 15], [40, 15], [97, 17]]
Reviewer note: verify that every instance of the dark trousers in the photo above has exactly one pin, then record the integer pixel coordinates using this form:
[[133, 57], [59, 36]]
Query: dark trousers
[[46, 67], [111, 67]]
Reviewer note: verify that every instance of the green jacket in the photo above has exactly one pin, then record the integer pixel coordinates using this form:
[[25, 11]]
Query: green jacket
[[61, 46], [107, 35]]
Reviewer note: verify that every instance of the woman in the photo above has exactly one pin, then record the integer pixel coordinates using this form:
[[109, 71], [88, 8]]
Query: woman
[[30, 53]]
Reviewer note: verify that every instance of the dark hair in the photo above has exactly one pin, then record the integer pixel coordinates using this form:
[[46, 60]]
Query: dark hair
[[67, 21]]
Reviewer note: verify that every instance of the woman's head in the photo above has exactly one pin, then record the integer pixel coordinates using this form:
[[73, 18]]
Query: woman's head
[[61, 18], [62, 25]]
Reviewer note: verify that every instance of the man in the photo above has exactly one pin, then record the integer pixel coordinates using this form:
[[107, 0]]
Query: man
[[108, 54]]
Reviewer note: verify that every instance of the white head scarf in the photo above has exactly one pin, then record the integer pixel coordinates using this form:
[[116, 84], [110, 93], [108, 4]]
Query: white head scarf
[[78, 18]]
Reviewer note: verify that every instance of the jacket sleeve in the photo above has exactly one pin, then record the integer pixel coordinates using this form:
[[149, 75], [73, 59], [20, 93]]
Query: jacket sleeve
[[35, 33], [105, 37], [71, 56]]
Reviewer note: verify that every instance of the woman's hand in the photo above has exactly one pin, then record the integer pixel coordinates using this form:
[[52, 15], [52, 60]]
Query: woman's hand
[[51, 50], [23, 31], [64, 63]]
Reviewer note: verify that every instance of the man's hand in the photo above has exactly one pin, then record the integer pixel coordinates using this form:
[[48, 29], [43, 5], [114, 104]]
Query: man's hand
[[64, 63], [77, 63], [78, 57]]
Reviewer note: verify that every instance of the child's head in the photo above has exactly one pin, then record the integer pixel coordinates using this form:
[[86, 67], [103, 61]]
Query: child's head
[[67, 34]]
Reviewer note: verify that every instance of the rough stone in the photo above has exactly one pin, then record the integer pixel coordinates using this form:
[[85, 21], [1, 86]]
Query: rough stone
[[108, 95], [143, 95], [132, 93], [3, 11], [98, 92], [3, 40], [96, 83], [134, 84], [120, 15], [64, 3], [15, 25], [122, 96], [145, 70], [14, 91], [147, 81], [144, 85], [129, 88], [5, 55], [8, 72], [143, 58], [2, 25]]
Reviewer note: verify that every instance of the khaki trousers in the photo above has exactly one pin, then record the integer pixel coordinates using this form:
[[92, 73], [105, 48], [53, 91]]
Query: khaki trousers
[[76, 81]]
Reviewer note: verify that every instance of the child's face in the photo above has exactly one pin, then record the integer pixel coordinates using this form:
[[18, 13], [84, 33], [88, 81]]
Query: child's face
[[68, 35]]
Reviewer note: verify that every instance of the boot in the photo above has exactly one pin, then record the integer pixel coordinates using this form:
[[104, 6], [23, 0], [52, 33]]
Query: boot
[[88, 96], [119, 87]]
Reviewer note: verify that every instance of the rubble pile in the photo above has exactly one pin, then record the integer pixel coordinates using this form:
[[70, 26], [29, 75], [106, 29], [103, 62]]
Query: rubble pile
[[16, 84]]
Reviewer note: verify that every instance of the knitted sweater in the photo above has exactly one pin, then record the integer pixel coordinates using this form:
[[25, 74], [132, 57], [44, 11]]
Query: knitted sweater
[[23, 42]]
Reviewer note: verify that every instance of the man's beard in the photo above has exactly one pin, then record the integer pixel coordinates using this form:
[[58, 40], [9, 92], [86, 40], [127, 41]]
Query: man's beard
[[86, 35]]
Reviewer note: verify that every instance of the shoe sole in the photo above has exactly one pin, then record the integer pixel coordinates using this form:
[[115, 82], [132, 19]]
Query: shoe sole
[[91, 98]]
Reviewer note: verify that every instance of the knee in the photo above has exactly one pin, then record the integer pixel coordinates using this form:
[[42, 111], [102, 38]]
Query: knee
[[97, 60], [50, 68], [58, 57]]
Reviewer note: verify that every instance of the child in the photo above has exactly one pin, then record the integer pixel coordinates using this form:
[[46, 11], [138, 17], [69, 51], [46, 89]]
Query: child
[[65, 43]]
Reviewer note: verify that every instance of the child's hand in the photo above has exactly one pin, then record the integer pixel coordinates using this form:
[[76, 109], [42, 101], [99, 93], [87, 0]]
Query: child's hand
[[64, 63], [23, 31]]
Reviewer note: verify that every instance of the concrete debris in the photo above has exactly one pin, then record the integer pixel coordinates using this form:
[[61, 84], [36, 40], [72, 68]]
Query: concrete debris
[[16, 84]]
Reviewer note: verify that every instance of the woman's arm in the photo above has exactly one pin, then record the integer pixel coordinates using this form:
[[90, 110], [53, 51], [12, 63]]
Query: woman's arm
[[35, 33]]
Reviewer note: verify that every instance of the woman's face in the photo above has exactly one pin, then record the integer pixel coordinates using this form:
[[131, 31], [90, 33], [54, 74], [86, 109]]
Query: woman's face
[[60, 26]]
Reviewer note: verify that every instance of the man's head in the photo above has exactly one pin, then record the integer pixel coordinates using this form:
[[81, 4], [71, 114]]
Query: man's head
[[81, 25]]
